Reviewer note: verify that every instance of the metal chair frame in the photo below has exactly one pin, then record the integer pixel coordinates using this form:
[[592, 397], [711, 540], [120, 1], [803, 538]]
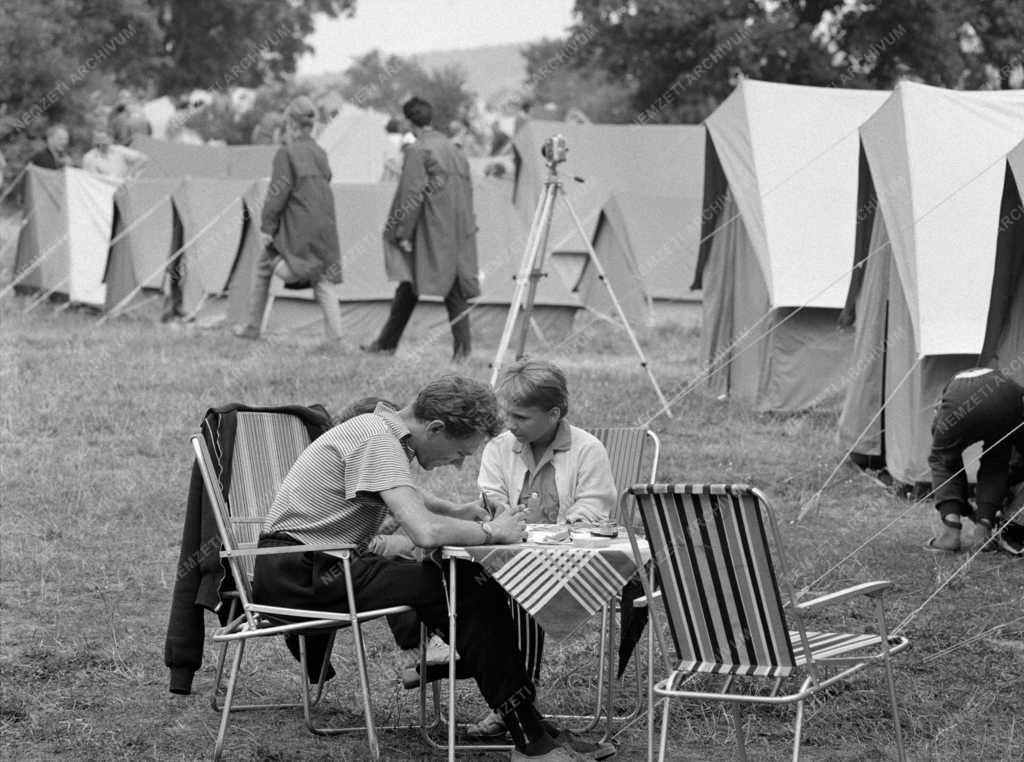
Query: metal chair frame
[[261, 621], [711, 517], [627, 459]]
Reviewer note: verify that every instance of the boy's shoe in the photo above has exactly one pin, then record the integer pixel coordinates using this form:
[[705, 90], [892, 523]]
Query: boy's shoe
[[557, 754], [490, 726], [437, 651]]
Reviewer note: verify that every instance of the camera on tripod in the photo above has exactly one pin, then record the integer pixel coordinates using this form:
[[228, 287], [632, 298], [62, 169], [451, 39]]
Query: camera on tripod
[[554, 150]]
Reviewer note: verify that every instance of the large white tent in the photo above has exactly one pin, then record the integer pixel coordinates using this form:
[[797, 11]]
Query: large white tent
[[936, 263], [781, 173], [62, 246]]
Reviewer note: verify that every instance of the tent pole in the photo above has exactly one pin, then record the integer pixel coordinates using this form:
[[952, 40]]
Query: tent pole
[[618, 307]]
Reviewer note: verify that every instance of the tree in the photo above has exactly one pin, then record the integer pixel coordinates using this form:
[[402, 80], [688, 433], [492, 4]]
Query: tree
[[385, 83], [593, 91], [680, 58], [677, 59], [221, 43], [46, 67]]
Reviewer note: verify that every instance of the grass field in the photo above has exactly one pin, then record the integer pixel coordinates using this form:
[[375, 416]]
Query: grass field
[[95, 463]]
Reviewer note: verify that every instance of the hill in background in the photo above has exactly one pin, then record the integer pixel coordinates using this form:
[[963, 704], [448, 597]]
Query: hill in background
[[489, 69]]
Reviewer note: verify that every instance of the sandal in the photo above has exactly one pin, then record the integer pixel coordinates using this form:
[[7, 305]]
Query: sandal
[[491, 726], [930, 545]]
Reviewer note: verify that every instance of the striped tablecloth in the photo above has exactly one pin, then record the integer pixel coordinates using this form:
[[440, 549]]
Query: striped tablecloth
[[561, 585]]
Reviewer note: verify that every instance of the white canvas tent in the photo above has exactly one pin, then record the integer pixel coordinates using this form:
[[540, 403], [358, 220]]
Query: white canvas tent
[[356, 145], [62, 247], [649, 258], [781, 192], [936, 269]]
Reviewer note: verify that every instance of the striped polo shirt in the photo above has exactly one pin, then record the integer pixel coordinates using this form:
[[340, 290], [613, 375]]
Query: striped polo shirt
[[332, 492]]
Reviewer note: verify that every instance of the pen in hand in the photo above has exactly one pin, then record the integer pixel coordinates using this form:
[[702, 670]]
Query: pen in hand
[[486, 504]]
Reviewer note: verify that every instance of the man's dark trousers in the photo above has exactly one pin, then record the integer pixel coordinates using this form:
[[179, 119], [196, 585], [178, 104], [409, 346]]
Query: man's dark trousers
[[405, 302], [984, 408]]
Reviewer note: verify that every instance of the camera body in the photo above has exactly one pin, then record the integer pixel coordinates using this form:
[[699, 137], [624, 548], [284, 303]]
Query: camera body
[[554, 150]]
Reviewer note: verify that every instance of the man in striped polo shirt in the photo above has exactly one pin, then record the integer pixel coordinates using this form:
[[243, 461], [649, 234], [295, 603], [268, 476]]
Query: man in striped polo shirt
[[341, 488]]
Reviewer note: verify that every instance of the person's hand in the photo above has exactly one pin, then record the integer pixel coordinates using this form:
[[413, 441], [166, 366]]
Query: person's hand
[[405, 245], [265, 239], [508, 528], [474, 510]]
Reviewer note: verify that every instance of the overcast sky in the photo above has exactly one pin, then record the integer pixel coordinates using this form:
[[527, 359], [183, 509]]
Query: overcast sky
[[416, 26]]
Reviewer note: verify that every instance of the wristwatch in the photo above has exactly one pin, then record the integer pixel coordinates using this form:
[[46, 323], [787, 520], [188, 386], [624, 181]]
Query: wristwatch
[[488, 534]]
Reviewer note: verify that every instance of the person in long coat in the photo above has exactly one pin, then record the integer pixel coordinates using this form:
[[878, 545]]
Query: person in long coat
[[430, 234], [297, 226]]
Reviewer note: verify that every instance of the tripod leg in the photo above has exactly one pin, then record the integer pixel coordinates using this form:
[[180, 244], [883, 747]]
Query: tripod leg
[[618, 307], [526, 282]]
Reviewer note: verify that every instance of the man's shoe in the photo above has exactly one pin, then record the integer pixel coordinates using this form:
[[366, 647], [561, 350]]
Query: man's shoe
[[246, 332], [374, 348], [589, 749]]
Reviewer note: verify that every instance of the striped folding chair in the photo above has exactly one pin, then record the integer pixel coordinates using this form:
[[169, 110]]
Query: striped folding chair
[[728, 616], [633, 453], [266, 444]]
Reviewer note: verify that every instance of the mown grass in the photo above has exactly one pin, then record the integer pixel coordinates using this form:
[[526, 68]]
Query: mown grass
[[93, 435]]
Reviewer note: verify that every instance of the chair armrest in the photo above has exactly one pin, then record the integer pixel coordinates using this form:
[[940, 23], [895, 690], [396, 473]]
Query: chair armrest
[[642, 601], [279, 549], [867, 588]]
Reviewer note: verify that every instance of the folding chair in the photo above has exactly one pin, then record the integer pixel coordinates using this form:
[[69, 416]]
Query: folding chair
[[261, 621], [627, 449], [727, 616]]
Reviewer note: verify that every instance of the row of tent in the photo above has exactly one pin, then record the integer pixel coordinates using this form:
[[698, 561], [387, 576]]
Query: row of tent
[[792, 210], [896, 216]]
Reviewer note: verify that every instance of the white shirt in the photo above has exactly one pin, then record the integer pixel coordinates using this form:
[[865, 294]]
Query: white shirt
[[118, 161]]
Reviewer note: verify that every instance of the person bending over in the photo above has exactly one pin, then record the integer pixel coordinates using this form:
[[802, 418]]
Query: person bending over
[[977, 405], [339, 491]]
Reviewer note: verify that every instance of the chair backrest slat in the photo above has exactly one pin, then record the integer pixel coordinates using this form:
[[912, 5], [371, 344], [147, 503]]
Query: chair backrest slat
[[711, 550], [215, 494], [266, 446], [626, 449]]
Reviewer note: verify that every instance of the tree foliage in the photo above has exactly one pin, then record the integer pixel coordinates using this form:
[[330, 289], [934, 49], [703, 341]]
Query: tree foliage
[[168, 45], [677, 59], [206, 43], [599, 95], [386, 82]]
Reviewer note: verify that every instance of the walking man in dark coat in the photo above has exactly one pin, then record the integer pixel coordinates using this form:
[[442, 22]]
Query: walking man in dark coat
[[430, 234]]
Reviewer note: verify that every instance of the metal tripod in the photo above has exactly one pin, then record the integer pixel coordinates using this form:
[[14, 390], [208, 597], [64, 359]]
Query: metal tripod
[[531, 270]]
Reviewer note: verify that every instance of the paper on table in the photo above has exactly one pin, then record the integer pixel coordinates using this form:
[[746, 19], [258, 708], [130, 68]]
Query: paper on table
[[548, 534]]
